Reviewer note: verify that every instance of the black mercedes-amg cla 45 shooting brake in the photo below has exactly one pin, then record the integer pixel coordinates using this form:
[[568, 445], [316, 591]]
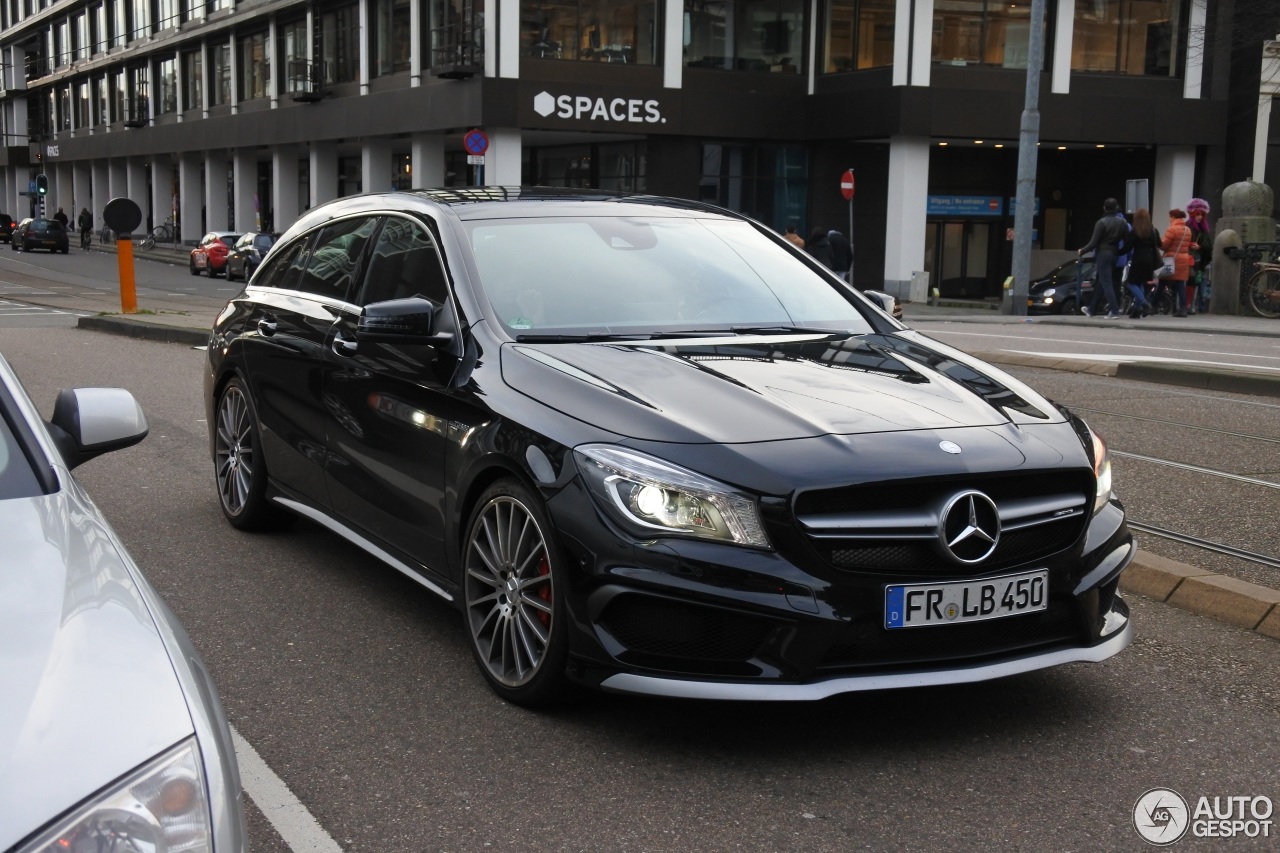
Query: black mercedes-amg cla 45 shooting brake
[[647, 446]]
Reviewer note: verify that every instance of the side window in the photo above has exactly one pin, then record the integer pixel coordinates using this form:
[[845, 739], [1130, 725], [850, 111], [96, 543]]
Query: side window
[[336, 257], [404, 263], [285, 268]]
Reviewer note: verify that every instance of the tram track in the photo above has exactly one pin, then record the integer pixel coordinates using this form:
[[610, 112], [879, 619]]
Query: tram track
[[1178, 424], [1205, 544]]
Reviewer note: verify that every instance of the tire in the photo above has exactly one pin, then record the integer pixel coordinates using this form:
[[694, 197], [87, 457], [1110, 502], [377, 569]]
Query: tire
[[513, 596], [239, 468], [1264, 293], [229, 276], [1069, 306], [148, 242]]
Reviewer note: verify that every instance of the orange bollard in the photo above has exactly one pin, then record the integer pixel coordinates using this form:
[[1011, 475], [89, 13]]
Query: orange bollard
[[128, 292]]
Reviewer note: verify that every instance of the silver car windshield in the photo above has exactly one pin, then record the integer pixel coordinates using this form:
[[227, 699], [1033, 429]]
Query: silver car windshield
[[650, 275]]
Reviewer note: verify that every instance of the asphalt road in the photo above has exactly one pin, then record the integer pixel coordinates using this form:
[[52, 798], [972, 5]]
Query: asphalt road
[[356, 689]]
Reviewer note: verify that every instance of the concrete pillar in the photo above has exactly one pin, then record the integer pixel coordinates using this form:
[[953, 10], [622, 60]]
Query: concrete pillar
[[190, 197], [163, 190], [426, 155], [101, 180], [324, 172], [509, 37], [907, 208], [117, 185], [1063, 36], [502, 162], [246, 189], [286, 203], [136, 189], [217, 208], [81, 188], [922, 43], [376, 170], [1174, 181]]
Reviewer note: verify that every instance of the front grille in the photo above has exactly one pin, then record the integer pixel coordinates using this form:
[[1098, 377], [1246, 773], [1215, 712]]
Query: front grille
[[891, 527], [676, 630], [867, 643]]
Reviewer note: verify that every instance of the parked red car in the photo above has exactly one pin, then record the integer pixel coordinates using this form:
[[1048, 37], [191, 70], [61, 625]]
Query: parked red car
[[210, 254]]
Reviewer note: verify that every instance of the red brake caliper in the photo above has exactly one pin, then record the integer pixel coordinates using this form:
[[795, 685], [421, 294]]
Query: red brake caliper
[[544, 592]]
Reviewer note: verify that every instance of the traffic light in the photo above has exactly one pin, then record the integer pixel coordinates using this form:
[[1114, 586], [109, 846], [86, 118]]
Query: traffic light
[[42, 184]]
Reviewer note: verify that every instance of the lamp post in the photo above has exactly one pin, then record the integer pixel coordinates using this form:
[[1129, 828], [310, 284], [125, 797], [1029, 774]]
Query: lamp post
[[1028, 139]]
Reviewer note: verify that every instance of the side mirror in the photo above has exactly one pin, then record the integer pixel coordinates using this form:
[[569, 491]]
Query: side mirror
[[89, 422], [882, 299], [414, 320]]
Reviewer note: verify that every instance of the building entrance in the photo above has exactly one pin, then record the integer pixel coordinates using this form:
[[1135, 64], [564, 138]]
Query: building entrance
[[961, 256]]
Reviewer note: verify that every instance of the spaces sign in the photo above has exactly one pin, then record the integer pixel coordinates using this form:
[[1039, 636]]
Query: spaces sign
[[613, 111]]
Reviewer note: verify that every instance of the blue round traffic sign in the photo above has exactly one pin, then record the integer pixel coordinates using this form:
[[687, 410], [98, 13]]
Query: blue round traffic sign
[[476, 142]]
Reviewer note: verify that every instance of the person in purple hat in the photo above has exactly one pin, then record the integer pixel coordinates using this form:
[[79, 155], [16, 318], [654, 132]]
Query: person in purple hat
[[1202, 235]]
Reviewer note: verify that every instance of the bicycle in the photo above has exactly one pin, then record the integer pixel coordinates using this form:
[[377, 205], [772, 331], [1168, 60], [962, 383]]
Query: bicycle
[[86, 238], [1264, 289], [106, 235], [162, 233]]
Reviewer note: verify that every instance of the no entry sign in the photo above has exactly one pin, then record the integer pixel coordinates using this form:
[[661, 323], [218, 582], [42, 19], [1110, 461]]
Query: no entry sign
[[846, 185]]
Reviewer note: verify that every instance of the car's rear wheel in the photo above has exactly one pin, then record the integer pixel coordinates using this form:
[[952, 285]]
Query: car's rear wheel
[[239, 466], [514, 588]]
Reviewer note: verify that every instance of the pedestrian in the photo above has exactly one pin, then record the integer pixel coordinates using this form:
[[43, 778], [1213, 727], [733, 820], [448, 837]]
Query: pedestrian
[[1177, 245], [841, 253], [62, 219], [84, 222], [819, 246], [1201, 252], [793, 237], [1108, 233], [1143, 261]]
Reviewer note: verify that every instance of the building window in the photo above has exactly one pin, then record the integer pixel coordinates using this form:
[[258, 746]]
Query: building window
[[218, 5], [83, 42], [83, 119], [195, 10], [102, 101], [64, 108], [139, 104], [455, 31], [981, 32], [255, 67], [167, 76], [594, 30], [168, 14], [118, 95], [766, 182], [1137, 37], [340, 43], [119, 22], [98, 28], [859, 34], [293, 49], [193, 80], [389, 37], [744, 35], [220, 90], [62, 43], [141, 19]]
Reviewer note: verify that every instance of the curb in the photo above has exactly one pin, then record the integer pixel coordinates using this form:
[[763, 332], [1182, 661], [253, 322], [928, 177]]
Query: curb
[[1210, 379], [1229, 600], [145, 330]]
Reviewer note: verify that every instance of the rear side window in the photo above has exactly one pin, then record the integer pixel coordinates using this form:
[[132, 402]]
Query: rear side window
[[17, 480], [336, 258], [404, 263], [285, 268]]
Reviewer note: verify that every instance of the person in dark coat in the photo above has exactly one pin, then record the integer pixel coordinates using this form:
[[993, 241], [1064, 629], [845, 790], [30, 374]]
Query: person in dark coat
[[841, 253], [820, 247], [1143, 262], [1108, 233]]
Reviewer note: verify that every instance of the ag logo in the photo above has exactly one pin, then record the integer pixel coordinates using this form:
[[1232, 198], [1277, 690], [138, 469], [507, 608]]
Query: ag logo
[[1161, 816]]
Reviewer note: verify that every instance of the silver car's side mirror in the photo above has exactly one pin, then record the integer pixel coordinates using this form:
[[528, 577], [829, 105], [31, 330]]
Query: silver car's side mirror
[[89, 422]]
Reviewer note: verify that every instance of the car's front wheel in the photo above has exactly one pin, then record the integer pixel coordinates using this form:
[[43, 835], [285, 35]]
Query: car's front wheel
[[514, 590], [1069, 306], [239, 466]]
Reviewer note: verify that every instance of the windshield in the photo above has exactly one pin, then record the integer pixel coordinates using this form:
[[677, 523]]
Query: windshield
[[649, 275]]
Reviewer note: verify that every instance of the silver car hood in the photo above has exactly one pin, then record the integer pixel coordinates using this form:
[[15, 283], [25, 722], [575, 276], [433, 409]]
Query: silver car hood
[[87, 688]]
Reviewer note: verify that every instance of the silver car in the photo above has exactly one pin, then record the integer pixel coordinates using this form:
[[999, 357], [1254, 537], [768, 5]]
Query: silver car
[[111, 734]]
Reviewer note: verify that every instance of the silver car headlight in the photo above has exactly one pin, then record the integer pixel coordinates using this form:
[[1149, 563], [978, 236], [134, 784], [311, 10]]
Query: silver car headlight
[[1101, 472], [162, 808], [650, 497]]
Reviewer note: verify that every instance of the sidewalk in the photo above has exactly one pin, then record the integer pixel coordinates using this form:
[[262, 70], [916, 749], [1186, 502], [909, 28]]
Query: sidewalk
[[1226, 599]]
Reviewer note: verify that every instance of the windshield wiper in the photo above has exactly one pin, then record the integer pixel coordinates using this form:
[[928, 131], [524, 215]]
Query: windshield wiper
[[581, 339], [786, 330]]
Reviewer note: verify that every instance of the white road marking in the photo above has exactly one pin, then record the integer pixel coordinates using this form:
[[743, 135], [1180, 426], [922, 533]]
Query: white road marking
[[1143, 358], [1079, 355], [296, 825]]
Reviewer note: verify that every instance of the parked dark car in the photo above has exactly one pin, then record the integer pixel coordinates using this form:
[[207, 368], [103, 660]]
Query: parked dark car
[[210, 254], [1059, 290], [247, 253], [32, 234], [114, 738], [643, 445], [6, 227]]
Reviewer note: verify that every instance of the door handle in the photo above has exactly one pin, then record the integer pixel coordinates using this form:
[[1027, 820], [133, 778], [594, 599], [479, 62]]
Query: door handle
[[344, 346], [267, 326]]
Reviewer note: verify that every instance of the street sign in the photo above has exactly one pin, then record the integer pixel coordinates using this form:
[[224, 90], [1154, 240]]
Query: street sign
[[476, 142], [475, 159], [846, 185]]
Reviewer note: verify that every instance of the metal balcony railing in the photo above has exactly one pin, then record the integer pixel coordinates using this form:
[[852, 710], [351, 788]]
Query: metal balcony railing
[[137, 112], [304, 80], [459, 51]]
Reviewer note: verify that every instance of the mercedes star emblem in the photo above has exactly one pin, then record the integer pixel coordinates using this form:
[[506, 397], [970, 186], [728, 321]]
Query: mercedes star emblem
[[969, 527]]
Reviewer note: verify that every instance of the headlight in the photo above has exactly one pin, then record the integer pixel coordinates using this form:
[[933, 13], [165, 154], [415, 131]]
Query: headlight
[[162, 808], [1049, 291], [651, 497], [1102, 471]]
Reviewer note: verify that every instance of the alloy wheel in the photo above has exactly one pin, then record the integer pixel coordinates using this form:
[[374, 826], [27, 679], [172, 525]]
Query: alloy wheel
[[234, 450], [510, 592]]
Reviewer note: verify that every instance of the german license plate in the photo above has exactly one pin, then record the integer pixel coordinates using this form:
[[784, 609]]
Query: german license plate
[[918, 605]]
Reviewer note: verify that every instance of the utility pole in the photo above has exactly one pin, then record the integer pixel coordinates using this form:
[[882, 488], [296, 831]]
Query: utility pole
[[1028, 139]]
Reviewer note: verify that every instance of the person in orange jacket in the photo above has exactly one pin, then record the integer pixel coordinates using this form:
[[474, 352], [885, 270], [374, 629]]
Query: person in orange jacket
[[1177, 243]]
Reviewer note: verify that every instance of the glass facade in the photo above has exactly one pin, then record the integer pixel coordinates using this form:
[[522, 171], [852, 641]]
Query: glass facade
[[592, 30], [766, 182], [859, 34], [981, 32], [255, 66], [167, 75], [1137, 37], [193, 81], [220, 80], [339, 43], [744, 35], [389, 37]]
